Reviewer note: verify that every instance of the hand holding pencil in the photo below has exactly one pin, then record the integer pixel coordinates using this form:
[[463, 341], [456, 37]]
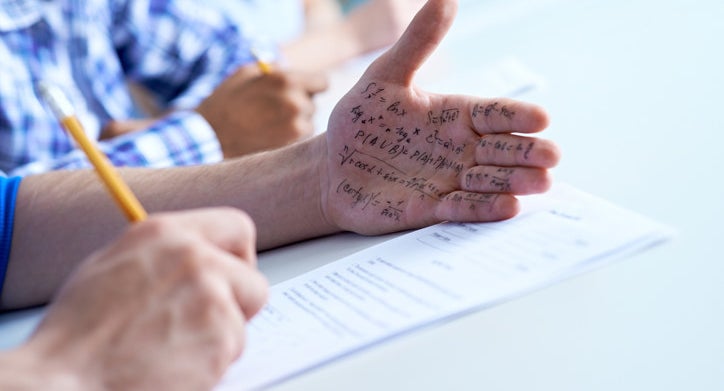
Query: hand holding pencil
[[264, 66]]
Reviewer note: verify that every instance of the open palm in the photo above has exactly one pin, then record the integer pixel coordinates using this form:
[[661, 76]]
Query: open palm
[[400, 158]]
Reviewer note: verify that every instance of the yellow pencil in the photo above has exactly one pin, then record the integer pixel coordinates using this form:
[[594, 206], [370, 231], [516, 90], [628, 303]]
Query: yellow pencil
[[265, 67], [65, 113]]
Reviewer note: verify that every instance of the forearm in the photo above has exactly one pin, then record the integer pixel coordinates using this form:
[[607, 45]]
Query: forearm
[[60, 218], [322, 49], [63, 216], [279, 189]]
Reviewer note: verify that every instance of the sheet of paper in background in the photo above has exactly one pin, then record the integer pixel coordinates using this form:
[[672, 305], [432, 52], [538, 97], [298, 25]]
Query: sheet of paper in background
[[432, 275]]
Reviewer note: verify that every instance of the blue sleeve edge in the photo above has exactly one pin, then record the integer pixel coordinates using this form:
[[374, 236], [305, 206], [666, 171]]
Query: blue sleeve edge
[[8, 192]]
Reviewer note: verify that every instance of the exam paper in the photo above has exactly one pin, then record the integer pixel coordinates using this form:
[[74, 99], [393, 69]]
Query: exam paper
[[430, 275]]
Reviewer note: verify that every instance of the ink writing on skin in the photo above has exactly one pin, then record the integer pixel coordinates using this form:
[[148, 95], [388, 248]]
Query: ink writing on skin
[[493, 108], [413, 154], [499, 180]]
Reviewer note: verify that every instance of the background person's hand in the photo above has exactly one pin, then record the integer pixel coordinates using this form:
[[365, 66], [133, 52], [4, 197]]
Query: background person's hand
[[252, 112], [378, 23], [402, 158], [162, 308]]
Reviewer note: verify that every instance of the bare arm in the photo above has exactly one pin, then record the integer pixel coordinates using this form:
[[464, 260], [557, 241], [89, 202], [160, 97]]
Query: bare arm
[[163, 307], [372, 26], [393, 158], [63, 216]]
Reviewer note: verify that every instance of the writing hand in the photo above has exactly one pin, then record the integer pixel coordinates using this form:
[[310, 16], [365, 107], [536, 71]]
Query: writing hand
[[252, 112], [399, 158], [164, 307]]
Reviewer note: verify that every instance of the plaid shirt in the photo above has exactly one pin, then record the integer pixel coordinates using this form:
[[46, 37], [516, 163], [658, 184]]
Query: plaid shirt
[[178, 49]]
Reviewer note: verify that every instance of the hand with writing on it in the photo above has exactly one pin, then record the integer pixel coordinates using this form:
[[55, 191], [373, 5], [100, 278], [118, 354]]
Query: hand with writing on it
[[164, 307], [252, 112], [400, 158]]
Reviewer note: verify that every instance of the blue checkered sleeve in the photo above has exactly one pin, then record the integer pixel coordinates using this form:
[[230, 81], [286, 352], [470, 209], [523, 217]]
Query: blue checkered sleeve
[[183, 138], [179, 49]]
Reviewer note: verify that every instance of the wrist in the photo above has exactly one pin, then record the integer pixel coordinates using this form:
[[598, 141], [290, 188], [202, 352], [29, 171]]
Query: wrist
[[343, 37], [30, 367], [319, 149], [280, 189], [300, 172]]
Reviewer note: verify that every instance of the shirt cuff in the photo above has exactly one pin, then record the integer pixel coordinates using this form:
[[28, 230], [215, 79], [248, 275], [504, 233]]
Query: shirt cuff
[[8, 192], [182, 138]]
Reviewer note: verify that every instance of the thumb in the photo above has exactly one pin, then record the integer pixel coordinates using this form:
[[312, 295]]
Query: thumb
[[416, 44]]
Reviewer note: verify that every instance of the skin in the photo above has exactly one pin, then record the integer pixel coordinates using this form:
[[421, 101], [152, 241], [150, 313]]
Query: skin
[[371, 26], [313, 188], [268, 111], [182, 286], [168, 300], [250, 111]]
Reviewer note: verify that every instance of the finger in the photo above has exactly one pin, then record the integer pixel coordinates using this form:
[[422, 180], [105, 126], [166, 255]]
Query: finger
[[470, 206], [416, 44], [502, 115], [248, 286], [515, 180], [227, 228], [300, 103], [232, 326], [304, 127], [251, 290], [246, 72], [514, 150], [235, 334], [211, 310], [243, 291]]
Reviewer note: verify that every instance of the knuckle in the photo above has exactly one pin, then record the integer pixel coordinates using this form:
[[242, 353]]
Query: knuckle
[[191, 262], [242, 219], [302, 128], [280, 80], [293, 108], [156, 227], [247, 222]]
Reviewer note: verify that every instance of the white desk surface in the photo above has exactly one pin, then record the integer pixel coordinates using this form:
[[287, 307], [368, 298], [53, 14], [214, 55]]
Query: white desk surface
[[634, 89]]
